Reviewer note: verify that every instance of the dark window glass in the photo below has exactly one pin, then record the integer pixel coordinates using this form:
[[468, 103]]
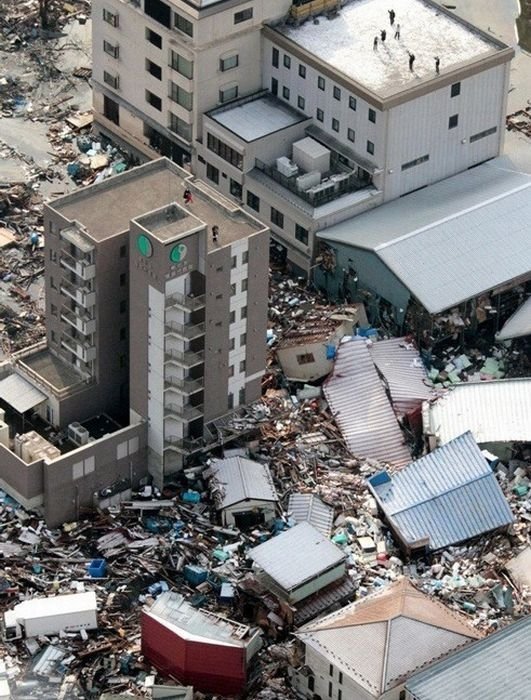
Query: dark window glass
[[243, 15], [370, 147], [302, 70], [275, 57], [455, 90], [253, 201], [372, 116], [154, 38], [212, 173], [277, 217], [453, 121], [153, 69], [159, 11]]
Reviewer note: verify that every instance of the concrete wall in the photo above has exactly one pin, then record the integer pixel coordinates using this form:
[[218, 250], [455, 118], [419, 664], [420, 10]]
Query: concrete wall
[[257, 305], [23, 482], [71, 481]]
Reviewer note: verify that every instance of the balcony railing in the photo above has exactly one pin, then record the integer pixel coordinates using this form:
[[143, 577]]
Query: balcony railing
[[186, 301], [186, 412], [184, 445], [81, 349], [183, 330], [185, 358], [81, 267], [82, 295], [81, 322], [183, 386]]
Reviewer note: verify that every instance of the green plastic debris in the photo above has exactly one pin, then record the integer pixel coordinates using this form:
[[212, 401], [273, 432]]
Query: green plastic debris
[[340, 538], [220, 555], [521, 489]]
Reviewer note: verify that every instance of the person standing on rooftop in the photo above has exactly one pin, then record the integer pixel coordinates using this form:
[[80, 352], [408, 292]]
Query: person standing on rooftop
[[392, 16], [437, 64], [411, 60], [383, 34], [397, 31], [375, 44]]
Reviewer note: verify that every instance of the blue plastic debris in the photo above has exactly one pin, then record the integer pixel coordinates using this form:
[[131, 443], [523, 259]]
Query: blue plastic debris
[[330, 352], [191, 496], [97, 568], [195, 574], [157, 588]]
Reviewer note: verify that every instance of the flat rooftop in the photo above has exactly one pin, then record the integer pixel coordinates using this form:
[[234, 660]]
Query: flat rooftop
[[107, 208], [345, 42], [254, 119], [52, 369]]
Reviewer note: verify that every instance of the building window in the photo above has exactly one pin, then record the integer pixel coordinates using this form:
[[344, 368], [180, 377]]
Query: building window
[[111, 49], [287, 61], [228, 93], [455, 90], [301, 103], [245, 282], [230, 401], [243, 313], [330, 689], [180, 127], [242, 366], [275, 55], [153, 69], [236, 189], [159, 11], [335, 125], [123, 333], [302, 71], [253, 201], [274, 86], [319, 115], [229, 62], [182, 24], [453, 121], [181, 96], [352, 103], [53, 309], [110, 18], [337, 93], [243, 16], [243, 339], [154, 38], [340, 678], [233, 293], [123, 279], [307, 359], [351, 135], [224, 151], [232, 343], [372, 116], [111, 80], [331, 666], [301, 234], [111, 110], [402, 695], [321, 82], [311, 683], [233, 262], [231, 370], [123, 306], [182, 65], [123, 251], [482, 134], [245, 257], [417, 161], [241, 396], [285, 93], [370, 147], [339, 695], [277, 217], [232, 317], [154, 100], [212, 173]]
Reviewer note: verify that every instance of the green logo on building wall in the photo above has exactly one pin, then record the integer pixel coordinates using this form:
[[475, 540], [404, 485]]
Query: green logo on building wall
[[144, 246], [178, 253]]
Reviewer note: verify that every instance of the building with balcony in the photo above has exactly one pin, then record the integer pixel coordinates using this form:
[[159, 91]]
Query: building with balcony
[[343, 125]]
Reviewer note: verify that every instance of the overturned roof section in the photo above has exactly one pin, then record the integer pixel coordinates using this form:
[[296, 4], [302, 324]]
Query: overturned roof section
[[477, 222], [19, 393], [296, 556], [519, 324], [307, 507], [398, 360], [495, 411], [381, 639], [237, 479], [175, 613], [344, 43], [444, 498], [361, 408], [496, 667]]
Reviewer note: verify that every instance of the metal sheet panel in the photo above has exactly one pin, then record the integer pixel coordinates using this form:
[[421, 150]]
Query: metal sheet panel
[[361, 408], [307, 507], [20, 394], [239, 479], [448, 496], [519, 324], [257, 118], [495, 411], [496, 667]]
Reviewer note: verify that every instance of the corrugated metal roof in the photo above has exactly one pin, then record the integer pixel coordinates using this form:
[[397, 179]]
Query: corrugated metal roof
[[496, 668], [19, 393], [361, 408], [307, 507], [237, 479], [399, 362], [449, 242], [448, 496], [380, 640], [296, 555], [519, 324], [495, 411]]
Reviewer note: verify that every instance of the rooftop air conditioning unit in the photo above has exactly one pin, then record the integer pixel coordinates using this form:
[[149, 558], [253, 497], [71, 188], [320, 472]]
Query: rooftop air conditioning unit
[[304, 182], [286, 167]]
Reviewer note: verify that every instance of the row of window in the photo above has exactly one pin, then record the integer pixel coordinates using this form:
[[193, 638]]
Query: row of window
[[243, 287], [242, 367], [241, 399], [277, 218], [473, 138], [224, 151]]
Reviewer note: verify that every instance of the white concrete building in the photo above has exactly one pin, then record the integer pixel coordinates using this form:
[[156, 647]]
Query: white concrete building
[[342, 126]]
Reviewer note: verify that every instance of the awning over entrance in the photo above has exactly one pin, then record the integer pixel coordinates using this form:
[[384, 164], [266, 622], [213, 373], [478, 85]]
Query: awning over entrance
[[19, 393]]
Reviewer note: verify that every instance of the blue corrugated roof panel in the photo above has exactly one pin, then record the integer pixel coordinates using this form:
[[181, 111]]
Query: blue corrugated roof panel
[[493, 669], [448, 496]]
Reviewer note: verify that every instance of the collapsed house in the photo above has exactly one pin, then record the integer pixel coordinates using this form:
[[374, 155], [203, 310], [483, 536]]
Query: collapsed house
[[448, 496]]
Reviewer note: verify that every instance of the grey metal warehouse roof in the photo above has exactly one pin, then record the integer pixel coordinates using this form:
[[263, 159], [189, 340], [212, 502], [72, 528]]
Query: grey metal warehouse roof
[[296, 556], [496, 668], [238, 479], [307, 507], [448, 496], [450, 242]]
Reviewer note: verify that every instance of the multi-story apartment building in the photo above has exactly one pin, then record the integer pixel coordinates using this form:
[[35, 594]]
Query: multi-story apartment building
[[156, 308], [348, 124]]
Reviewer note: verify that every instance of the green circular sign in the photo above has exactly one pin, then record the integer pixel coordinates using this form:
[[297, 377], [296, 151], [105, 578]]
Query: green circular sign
[[178, 253], [144, 246]]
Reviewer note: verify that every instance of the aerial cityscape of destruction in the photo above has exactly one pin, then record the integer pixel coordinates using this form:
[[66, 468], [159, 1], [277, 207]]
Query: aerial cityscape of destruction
[[265, 332]]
